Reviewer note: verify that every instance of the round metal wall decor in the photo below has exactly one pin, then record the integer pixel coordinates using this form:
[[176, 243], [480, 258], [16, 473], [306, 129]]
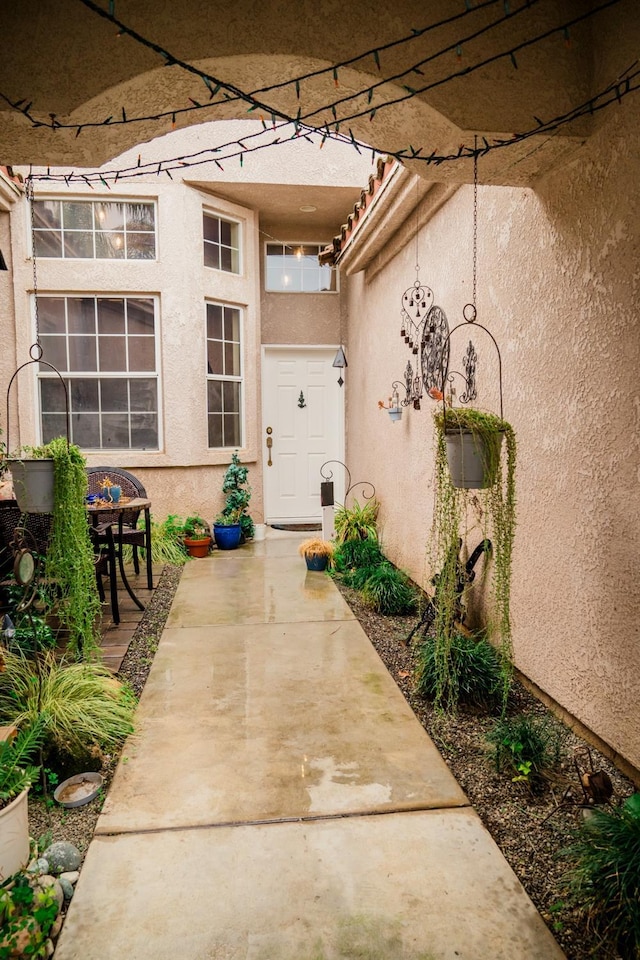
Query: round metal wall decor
[[434, 348]]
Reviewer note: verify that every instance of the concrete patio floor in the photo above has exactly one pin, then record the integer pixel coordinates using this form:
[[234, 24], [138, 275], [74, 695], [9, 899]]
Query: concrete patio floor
[[281, 802]]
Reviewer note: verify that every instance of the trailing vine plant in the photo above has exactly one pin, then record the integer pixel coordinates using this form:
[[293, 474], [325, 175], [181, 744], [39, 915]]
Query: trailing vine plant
[[69, 562], [498, 503]]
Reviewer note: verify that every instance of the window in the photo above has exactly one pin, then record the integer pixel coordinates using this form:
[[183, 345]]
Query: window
[[224, 375], [221, 243], [94, 230], [294, 268], [105, 348]]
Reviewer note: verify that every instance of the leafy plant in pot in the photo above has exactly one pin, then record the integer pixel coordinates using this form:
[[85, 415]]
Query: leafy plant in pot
[[16, 776], [238, 495], [227, 530], [316, 552], [453, 502], [197, 538]]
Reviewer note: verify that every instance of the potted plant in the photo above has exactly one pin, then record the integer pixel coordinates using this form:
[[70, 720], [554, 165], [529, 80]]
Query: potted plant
[[196, 536], [393, 407], [238, 495], [227, 530], [33, 480], [16, 776], [316, 552], [495, 505], [473, 441]]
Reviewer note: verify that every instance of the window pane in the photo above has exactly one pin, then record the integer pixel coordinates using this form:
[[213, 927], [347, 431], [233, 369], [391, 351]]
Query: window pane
[[85, 429], [231, 426], [140, 216], [211, 256], [114, 395], [142, 353], [79, 245], [110, 246], [211, 228], [214, 321], [112, 353], [77, 215], [82, 353], [140, 316], [231, 324], [51, 314], [232, 359], [109, 216], [144, 394], [215, 356], [214, 396], [115, 430], [84, 396], [327, 278], [53, 425], [144, 431], [46, 213], [54, 351], [226, 260], [52, 396], [231, 397], [215, 430], [274, 250], [81, 312], [47, 244], [110, 315], [141, 246]]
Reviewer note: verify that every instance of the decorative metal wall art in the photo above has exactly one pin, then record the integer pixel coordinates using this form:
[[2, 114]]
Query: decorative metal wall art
[[424, 328], [368, 489]]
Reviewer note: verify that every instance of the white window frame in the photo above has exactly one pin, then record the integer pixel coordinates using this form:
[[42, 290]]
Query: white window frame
[[226, 378], [47, 374], [290, 247], [225, 218], [148, 201]]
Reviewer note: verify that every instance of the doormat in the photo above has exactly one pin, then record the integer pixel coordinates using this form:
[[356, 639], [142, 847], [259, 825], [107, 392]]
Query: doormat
[[294, 527]]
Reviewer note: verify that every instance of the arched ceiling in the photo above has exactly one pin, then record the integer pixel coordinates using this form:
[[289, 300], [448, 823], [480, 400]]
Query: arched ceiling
[[66, 60]]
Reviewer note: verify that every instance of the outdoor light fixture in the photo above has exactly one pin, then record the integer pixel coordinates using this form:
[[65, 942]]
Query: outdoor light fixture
[[340, 361]]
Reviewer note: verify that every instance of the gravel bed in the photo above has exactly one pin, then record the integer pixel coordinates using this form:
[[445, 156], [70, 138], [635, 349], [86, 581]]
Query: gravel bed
[[531, 829]]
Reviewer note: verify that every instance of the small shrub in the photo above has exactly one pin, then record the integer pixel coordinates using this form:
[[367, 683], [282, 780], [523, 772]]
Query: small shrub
[[357, 522], [526, 745], [388, 590], [357, 553], [82, 705], [26, 916], [605, 877], [473, 673]]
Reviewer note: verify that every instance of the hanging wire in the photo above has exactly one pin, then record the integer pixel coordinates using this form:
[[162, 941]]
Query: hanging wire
[[475, 221], [35, 350]]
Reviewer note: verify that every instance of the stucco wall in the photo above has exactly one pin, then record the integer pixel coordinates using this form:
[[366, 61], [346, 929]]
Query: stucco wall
[[558, 285]]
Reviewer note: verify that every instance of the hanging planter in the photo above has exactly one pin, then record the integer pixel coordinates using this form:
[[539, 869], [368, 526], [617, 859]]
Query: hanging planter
[[473, 441], [33, 484], [395, 413]]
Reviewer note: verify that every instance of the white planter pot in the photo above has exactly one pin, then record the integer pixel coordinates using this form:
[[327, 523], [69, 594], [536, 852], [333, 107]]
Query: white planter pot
[[33, 485], [14, 836], [395, 413]]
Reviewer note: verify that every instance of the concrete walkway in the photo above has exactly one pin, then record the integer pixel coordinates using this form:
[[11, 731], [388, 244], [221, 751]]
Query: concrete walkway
[[281, 802]]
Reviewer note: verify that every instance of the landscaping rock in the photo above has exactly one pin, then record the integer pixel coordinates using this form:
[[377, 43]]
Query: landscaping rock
[[49, 881], [38, 866], [57, 927], [62, 857], [67, 887], [71, 876]]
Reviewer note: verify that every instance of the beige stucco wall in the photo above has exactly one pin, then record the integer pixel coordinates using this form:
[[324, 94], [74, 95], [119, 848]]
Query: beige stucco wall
[[558, 285]]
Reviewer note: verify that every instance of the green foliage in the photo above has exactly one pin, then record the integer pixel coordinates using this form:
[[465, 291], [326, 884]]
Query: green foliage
[[195, 528], [70, 561], [450, 516], [82, 706], [357, 522], [27, 914], [16, 769], [527, 745], [357, 553], [166, 541], [472, 673], [388, 590], [604, 878], [32, 633], [238, 492]]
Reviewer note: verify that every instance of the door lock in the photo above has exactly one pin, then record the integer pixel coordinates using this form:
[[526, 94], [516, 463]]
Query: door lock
[[269, 445]]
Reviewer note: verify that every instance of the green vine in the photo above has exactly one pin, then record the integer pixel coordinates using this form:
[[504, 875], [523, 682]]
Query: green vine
[[497, 503], [70, 562]]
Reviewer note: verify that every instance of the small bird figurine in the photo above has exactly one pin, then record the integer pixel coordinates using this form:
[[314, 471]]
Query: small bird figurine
[[434, 393]]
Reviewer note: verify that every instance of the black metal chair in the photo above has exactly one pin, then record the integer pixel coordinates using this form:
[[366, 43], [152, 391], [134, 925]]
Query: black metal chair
[[105, 564], [128, 533]]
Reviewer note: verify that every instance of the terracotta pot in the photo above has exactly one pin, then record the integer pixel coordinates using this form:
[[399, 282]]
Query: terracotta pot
[[197, 547], [14, 836]]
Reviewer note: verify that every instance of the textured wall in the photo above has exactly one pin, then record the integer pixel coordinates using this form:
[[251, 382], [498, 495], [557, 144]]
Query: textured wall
[[558, 285]]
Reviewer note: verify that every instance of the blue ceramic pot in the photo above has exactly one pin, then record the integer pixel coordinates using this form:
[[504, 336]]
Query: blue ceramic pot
[[112, 494], [316, 563], [227, 538]]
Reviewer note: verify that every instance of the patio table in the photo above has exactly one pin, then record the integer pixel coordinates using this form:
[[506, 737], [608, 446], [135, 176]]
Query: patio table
[[94, 511]]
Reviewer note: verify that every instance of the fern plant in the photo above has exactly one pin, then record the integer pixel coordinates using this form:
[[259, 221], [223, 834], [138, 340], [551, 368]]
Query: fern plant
[[17, 771]]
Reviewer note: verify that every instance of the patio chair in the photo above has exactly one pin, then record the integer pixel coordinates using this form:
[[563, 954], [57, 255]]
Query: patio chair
[[131, 535], [38, 525], [105, 563]]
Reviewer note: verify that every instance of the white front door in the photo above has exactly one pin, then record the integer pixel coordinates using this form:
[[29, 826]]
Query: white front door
[[303, 408]]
